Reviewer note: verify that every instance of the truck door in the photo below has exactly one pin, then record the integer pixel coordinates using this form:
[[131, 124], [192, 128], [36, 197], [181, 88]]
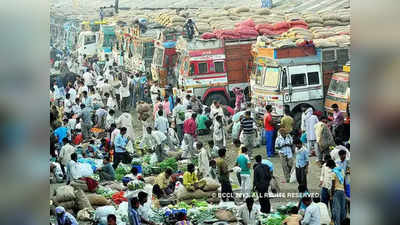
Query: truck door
[[305, 83]]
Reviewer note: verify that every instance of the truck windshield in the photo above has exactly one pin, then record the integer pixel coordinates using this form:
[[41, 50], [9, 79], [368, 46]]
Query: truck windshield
[[148, 50], [108, 41], [271, 78], [90, 39], [338, 87]]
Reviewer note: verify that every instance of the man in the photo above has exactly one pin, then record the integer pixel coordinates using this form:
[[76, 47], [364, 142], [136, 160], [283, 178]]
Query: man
[[76, 106], [89, 78], [72, 168], [189, 27], [62, 132], [196, 104], [269, 131], [64, 218], [120, 143], [301, 163], [262, 178], [101, 115], [179, 114], [124, 94], [110, 102], [312, 215], [72, 94], [87, 100], [284, 144], [323, 209], [186, 100], [164, 181], [154, 92], [310, 122], [65, 155], [244, 163], [111, 219], [85, 116], [339, 198], [326, 180], [67, 105], [161, 139], [106, 172], [134, 89], [339, 147], [323, 137], [125, 120], [157, 107], [247, 128], [110, 119], [248, 213], [108, 73], [105, 88], [219, 135], [204, 162], [223, 176], [161, 123], [189, 129], [201, 119], [143, 209], [287, 121], [338, 117], [134, 218], [101, 14], [114, 131], [190, 179]]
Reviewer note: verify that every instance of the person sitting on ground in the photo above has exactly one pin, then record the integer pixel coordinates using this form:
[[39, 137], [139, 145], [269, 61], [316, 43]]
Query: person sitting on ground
[[106, 172], [312, 215], [303, 192], [293, 218], [134, 175], [213, 170], [157, 194], [92, 150], [182, 220], [134, 218], [164, 181], [111, 219], [64, 218], [323, 208], [143, 210], [190, 179]]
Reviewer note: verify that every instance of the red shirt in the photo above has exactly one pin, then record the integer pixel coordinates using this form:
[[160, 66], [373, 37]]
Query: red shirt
[[267, 122], [78, 139], [189, 127]]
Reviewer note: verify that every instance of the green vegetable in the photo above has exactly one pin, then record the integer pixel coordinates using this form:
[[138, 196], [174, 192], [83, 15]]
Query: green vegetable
[[183, 205], [137, 162], [197, 203], [169, 162], [135, 185], [199, 216], [146, 159]]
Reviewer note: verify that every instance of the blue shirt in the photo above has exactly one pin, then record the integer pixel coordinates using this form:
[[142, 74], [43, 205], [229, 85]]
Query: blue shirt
[[268, 163], [61, 133], [284, 145], [134, 217], [85, 115], [120, 143], [301, 157], [342, 164]]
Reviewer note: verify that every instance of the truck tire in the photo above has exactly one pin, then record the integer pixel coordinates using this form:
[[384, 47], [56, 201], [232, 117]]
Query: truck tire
[[217, 97]]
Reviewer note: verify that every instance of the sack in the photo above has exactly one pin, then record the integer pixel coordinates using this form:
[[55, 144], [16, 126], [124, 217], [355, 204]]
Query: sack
[[293, 179], [104, 211], [208, 35], [65, 193], [211, 184], [97, 200], [80, 184], [275, 185], [85, 215], [66, 205], [81, 200], [129, 147], [225, 215]]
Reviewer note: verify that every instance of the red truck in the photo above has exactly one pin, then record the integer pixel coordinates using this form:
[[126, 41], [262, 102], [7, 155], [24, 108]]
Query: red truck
[[211, 68]]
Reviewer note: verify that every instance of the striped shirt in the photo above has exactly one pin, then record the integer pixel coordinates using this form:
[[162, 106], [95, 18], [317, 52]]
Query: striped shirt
[[247, 125], [134, 217]]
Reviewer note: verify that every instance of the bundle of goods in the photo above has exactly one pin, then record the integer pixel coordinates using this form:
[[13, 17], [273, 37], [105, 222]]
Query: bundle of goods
[[280, 28], [293, 17], [97, 200], [313, 20], [330, 20], [65, 197], [298, 33]]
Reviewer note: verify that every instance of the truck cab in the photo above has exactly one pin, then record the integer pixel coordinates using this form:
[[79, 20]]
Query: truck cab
[[87, 43], [287, 78], [339, 93], [165, 58], [107, 39]]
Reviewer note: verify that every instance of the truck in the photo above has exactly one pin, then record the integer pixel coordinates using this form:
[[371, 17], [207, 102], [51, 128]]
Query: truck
[[106, 41], [339, 93], [292, 77], [87, 43], [212, 68], [165, 57]]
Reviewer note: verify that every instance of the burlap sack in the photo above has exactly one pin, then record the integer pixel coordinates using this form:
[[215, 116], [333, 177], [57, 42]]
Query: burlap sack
[[84, 214], [80, 184], [66, 205], [81, 200], [211, 184], [65, 193], [97, 200], [225, 215]]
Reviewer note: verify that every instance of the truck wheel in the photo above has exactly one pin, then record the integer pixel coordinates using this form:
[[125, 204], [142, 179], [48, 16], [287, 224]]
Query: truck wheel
[[217, 97]]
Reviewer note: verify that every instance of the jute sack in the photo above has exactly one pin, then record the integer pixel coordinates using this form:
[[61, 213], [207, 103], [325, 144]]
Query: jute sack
[[241, 9], [211, 184], [84, 214], [66, 205], [225, 215], [81, 200], [97, 200], [65, 193]]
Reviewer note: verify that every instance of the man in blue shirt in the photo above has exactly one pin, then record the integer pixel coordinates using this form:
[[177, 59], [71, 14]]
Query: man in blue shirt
[[133, 211], [61, 132], [301, 163], [120, 143], [284, 144]]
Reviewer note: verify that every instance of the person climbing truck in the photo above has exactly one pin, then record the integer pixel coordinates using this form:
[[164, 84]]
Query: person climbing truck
[[190, 26]]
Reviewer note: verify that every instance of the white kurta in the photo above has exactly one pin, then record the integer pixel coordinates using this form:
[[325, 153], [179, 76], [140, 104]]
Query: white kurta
[[204, 166], [125, 120]]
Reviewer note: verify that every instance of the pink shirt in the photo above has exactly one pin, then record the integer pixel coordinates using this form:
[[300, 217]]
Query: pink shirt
[[166, 108], [189, 127]]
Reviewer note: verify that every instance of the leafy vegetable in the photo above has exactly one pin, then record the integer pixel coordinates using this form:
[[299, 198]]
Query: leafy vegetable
[[199, 216], [135, 185], [137, 162], [169, 162], [197, 203]]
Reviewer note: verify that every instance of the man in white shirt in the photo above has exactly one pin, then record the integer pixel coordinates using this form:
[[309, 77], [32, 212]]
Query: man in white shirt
[[106, 88], [335, 152], [312, 215], [88, 77], [179, 109], [65, 154], [101, 115], [76, 109], [186, 100], [72, 168], [114, 132], [110, 119], [67, 105], [161, 123], [81, 89], [247, 212], [108, 74], [72, 93], [110, 102], [124, 93], [161, 140], [323, 208], [154, 89]]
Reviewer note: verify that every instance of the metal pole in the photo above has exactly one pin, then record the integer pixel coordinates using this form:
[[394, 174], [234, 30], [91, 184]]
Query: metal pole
[[116, 6]]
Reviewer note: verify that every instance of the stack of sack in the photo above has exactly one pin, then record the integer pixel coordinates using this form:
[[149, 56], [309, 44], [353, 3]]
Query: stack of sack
[[280, 28], [297, 33], [313, 20], [64, 196]]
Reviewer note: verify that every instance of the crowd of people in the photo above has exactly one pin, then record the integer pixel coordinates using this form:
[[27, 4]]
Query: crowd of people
[[93, 117]]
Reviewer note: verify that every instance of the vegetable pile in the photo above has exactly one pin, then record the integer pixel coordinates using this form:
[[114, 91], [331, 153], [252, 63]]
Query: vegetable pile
[[121, 171], [135, 185], [169, 162]]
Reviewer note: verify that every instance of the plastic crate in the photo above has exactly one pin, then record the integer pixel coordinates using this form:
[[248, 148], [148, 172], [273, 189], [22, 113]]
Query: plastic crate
[[139, 168]]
